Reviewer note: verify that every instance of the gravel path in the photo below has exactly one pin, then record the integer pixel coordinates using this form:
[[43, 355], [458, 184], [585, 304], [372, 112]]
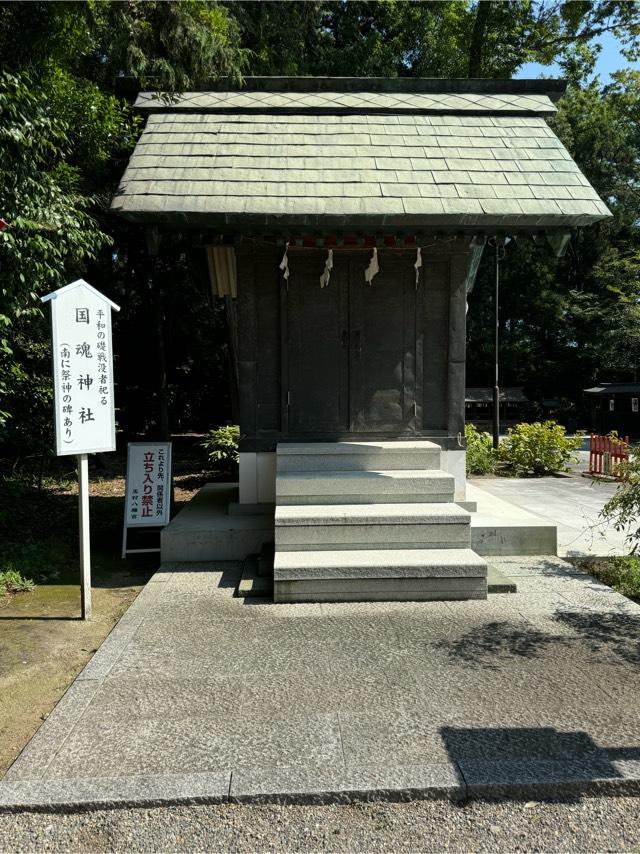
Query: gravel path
[[592, 824]]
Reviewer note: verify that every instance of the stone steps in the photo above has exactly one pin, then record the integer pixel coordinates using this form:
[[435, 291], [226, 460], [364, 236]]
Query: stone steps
[[307, 527], [400, 486], [359, 521], [357, 456]]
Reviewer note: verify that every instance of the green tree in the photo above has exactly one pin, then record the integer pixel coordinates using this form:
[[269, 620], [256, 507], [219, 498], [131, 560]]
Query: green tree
[[566, 323], [453, 38], [65, 140], [50, 232], [67, 131]]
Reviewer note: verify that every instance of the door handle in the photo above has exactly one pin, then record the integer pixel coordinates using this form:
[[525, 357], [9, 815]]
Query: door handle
[[345, 339], [358, 341]]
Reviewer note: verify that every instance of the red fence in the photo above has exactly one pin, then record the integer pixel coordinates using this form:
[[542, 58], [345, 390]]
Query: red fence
[[605, 454]]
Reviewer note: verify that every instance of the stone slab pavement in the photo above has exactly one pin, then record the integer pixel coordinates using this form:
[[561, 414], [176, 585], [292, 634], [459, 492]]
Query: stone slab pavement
[[573, 504], [198, 696]]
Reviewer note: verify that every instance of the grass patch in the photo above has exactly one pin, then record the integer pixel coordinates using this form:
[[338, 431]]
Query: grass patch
[[620, 573], [12, 581]]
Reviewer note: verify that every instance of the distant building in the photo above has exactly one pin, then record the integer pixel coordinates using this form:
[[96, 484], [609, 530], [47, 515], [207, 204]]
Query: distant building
[[614, 406], [478, 406]]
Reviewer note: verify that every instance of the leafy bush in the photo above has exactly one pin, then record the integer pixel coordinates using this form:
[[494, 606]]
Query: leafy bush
[[621, 573], [623, 509], [624, 575], [538, 449], [481, 455], [221, 446], [11, 581]]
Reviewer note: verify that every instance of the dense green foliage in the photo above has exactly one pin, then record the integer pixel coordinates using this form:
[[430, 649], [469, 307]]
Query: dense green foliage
[[222, 447], [528, 450], [622, 573], [67, 129], [56, 137], [566, 323], [481, 455], [221, 444], [453, 38], [538, 449], [66, 136], [623, 509]]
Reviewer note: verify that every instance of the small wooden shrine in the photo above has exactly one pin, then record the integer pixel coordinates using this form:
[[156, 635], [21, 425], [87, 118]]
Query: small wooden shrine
[[345, 220]]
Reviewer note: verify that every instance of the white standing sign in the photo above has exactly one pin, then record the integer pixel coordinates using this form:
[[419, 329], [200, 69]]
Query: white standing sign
[[148, 488], [82, 369], [148, 483], [83, 389]]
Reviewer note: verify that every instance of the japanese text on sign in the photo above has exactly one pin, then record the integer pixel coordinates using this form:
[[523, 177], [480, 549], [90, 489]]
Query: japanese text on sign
[[82, 370], [148, 483]]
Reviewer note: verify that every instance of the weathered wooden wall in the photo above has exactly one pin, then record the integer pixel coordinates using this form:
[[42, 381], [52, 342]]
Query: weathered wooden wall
[[275, 357]]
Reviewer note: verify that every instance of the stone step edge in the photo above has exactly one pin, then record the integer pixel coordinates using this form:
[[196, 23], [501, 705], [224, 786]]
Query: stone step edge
[[382, 447], [374, 563], [368, 498], [397, 474], [384, 480], [460, 781], [312, 515]]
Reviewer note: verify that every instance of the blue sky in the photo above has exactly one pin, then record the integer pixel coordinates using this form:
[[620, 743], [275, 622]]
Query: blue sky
[[610, 59]]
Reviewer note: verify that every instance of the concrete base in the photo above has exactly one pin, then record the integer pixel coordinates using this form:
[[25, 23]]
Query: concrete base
[[252, 583], [498, 582], [204, 531], [257, 478], [469, 506], [237, 509], [501, 528]]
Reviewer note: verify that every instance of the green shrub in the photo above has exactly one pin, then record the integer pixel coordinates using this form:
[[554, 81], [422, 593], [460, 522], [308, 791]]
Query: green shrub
[[533, 450], [622, 510], [221, 446], [621, 573], [481, 456], [11, 581]]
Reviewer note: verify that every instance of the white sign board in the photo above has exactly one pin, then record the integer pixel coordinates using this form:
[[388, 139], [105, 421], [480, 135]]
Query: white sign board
[[148, 490], [82, 369]]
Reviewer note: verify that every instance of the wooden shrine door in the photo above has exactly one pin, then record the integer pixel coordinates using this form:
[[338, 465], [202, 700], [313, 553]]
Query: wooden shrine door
[[352, 347]]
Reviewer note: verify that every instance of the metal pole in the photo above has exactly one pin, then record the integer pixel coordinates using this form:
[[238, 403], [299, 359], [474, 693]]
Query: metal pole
[[496, 386], [85, 546]]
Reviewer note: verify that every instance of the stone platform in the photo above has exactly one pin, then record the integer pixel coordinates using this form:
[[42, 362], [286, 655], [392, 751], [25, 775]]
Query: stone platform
[[199, 696], [501, 528], [206, 530]]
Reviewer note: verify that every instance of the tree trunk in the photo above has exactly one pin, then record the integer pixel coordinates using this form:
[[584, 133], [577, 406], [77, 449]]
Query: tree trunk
[[478, 35]]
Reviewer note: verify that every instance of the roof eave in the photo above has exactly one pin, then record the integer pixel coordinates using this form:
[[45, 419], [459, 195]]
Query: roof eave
[[554, 88], [249, 221]]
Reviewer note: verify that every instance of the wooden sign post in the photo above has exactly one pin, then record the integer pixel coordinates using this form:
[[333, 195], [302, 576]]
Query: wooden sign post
[[83, 390]]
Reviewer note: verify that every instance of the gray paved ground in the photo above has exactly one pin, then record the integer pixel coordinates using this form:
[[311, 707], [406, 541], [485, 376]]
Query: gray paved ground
[[197, 694], [573, 504], [590, 825]]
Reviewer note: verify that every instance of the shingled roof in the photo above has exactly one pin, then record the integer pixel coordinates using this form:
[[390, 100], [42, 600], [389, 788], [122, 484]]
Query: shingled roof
[[411, 154]]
